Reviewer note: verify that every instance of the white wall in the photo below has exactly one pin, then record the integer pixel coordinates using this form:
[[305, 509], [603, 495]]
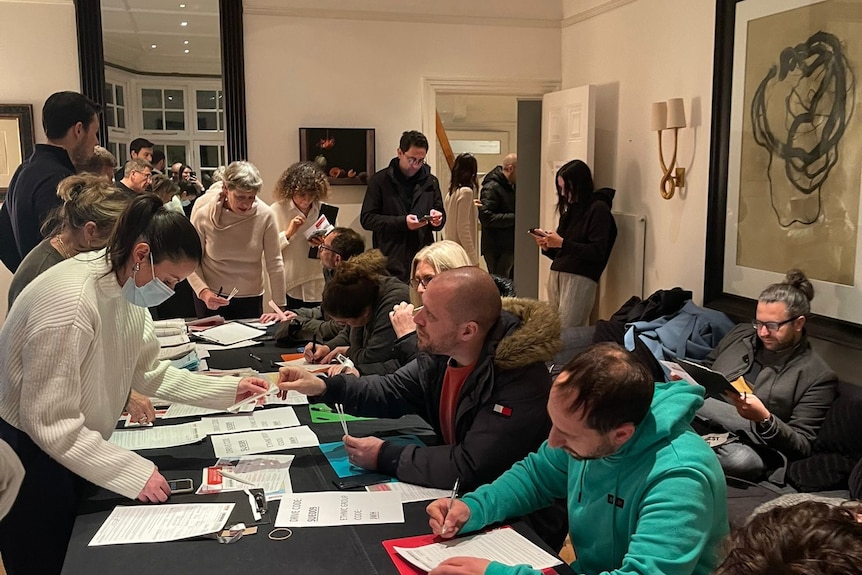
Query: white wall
[[307, 71], [636, 54], [40, 49]]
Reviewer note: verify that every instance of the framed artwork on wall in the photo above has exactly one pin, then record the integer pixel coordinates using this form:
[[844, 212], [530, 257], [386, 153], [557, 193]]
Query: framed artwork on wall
[[17, 141], [346, 155], [785, 172]]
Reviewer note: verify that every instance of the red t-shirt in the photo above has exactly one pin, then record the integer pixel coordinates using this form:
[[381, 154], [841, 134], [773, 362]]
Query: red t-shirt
[[453, 381]]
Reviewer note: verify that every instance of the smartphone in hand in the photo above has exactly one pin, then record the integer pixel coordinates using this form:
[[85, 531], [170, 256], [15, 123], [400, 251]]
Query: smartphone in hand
[[425, 218], [537, 232]]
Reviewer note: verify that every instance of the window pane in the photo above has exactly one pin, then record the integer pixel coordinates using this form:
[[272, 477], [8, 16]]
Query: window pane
[[206, 177], [109, 116], [153, 121], [175, 121], [159, 147], [221, 155], [206, 99], [122, 154], [209, 156], [151, 99], [174, 100], [221, 120], [121, 118], [207, 121], [176, 154], [121, 100], [220, 100], [109, 94]]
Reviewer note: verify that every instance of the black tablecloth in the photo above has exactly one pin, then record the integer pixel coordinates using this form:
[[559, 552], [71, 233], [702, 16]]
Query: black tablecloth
[[310, 550]]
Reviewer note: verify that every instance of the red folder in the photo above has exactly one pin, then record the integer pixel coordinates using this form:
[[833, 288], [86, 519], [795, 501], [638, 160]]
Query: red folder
[[405, 568]]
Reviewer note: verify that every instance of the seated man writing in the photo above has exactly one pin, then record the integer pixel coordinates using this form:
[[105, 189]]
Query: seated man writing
[[479, 381], [645, 493], [793, 387]]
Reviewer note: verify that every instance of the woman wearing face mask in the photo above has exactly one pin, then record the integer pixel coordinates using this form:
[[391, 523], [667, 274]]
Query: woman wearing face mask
[[236, 231], [76, 341]]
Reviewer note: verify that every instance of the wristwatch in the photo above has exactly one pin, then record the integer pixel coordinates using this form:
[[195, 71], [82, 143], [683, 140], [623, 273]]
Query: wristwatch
[[765, 422]]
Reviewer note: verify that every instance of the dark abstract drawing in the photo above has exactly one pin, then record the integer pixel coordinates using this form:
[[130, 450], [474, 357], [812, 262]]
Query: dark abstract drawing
[[799, 113]]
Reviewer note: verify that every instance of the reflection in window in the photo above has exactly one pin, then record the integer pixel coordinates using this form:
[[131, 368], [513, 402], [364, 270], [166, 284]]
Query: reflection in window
[[115, 106], [163, 109]]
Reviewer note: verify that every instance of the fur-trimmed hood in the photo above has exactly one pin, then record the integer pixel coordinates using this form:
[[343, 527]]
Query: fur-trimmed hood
[[529, 331]]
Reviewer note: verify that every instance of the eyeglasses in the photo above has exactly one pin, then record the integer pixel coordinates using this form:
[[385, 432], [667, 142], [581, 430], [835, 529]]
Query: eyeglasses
[[414, 161], [771, 326], [326, 248], [146, 175], [416, 282]]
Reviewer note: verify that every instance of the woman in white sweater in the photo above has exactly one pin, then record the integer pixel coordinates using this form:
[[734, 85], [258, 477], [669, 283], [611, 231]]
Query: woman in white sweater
[[240, 239], [298, 194], [461, 211], [74, 344]]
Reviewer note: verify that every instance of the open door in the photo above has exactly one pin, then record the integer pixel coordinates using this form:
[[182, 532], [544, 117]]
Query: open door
[[568, 133]]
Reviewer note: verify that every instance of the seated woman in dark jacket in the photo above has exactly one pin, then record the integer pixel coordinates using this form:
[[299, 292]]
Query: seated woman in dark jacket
[[360, 296]]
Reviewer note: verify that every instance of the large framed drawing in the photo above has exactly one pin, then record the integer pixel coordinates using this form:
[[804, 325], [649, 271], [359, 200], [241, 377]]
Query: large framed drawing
[[785, 170], [16, 141]]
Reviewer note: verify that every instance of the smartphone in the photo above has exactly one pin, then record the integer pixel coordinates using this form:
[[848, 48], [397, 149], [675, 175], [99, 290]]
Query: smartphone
[[425, 218], [179, 486], [537, 232], [361, 480]]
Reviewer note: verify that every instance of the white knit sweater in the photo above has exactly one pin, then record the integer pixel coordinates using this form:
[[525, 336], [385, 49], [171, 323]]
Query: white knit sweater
[[70, 350]]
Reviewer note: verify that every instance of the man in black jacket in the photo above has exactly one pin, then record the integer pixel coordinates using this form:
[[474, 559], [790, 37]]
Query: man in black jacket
[[403, 205], [71, 123], [497, 214], [479, 380]]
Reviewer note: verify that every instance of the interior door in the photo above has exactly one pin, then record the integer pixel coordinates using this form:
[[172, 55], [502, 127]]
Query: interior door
[[568, 133]]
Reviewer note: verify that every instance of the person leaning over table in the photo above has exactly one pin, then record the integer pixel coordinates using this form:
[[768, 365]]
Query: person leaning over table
[[360, 296], [91, 206], [74, 344], [236, 231], [479, 380], [646, 495]]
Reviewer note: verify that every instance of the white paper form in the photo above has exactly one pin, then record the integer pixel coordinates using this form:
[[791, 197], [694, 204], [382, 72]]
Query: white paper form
[[177, 410], [328, 508], [220, 347], [230, 333], [269, 472], [173, 340], [251, 442], [505, 546], [265, 419], [410, 492], [157, 523], [158, 437], [293, 398]]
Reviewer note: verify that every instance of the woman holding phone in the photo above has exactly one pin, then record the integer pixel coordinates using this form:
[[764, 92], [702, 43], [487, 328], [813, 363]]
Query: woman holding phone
[[581, 244]]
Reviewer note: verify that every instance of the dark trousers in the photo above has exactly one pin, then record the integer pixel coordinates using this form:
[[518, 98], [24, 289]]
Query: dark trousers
[[238, 308], [35, 534], [501, 264]]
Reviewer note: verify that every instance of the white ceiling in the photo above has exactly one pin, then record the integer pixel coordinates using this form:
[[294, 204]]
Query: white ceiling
[[131, 27]]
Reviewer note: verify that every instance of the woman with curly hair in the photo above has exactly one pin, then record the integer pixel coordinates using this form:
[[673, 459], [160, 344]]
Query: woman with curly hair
[[298, 194], [360, 296]]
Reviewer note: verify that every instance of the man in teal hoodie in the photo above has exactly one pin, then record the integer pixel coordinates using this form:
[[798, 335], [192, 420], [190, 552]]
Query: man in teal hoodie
[[645, 494]]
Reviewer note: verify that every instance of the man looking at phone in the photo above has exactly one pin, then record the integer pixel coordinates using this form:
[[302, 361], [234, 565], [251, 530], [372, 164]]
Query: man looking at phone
[[403, 205], [645, 493], [497, 214]]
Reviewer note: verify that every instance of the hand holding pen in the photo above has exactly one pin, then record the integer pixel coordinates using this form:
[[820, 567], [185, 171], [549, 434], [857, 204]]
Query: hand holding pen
[[316, 352], [447, 516]]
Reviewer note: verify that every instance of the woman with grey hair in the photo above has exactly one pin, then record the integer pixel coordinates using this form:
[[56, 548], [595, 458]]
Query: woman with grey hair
[[793, 387], [236, 230]]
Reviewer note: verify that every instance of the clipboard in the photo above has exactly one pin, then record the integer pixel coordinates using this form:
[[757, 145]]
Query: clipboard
[[250, 508], [715, 383], [331, 213]]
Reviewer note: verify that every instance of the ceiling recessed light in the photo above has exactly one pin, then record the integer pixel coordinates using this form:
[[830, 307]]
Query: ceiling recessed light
[[186, 42], [184, 23], [187, 50], [182, 5], [153, 46]]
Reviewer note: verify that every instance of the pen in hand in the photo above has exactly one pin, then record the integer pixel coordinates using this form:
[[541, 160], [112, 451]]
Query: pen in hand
[[451, 502]]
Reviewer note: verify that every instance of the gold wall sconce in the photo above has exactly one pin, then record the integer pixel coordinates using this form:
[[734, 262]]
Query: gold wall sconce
[[669, 115]]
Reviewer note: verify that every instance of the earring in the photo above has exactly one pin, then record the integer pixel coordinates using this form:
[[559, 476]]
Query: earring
[[137, 267]]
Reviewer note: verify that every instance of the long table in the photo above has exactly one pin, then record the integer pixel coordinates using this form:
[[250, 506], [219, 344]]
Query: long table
[[311, 550]]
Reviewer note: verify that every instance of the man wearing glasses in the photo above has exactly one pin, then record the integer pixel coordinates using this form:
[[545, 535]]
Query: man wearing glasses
[[793, 386], [137, 176], [403, 205]]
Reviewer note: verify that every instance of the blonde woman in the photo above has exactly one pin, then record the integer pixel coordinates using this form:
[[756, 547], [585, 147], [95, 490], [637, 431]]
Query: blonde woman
[[240, 239], [298, 193], [460, 208]]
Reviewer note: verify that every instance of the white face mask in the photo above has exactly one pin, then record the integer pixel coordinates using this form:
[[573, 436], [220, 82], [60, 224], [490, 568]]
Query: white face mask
[[151, 294]]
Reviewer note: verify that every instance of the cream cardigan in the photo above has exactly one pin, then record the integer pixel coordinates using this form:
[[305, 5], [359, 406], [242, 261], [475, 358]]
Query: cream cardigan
[[303, 276]]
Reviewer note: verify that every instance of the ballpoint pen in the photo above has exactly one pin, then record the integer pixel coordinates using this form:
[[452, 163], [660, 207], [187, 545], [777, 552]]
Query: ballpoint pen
[[451, 502], [313, 348], [253, 356], [218, 293], [235, 477]]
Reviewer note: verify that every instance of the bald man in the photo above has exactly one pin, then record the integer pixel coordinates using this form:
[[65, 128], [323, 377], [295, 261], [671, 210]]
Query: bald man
[[497, 214], [479, 380]]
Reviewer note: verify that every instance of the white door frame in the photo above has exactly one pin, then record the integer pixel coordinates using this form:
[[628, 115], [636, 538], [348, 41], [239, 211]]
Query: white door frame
[[527, 89]]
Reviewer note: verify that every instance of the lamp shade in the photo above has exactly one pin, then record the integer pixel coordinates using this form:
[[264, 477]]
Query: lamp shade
[[675, 113], [659, 116]]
